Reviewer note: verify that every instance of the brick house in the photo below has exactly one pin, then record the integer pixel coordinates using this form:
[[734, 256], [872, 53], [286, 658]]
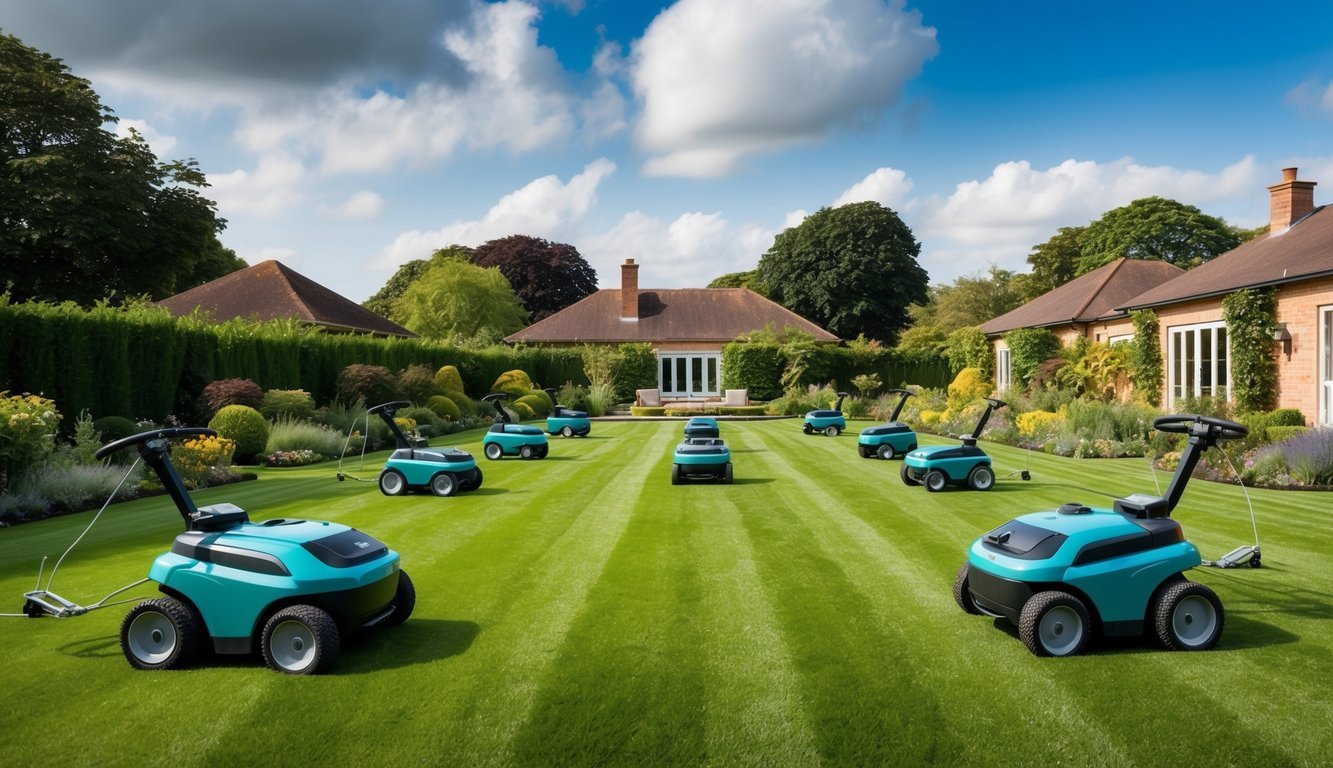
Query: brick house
[[1295, 257], [686, 326], [270, 290]]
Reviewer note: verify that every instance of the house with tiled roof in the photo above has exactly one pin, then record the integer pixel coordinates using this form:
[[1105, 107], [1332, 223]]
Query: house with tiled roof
[[686, 326], [1087, 306], [1295, 258], [271, 290]]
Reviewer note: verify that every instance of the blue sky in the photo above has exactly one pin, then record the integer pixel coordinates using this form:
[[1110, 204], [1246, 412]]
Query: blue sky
[[346, 138]]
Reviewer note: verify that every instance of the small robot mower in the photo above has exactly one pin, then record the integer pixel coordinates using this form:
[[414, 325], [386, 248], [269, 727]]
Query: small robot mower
[[888, 440], [936, 466], [830, 422], [289, 588], [702, 426], [1062, 575], [444, 472], [506, 438], [701, 458], [566, 421]]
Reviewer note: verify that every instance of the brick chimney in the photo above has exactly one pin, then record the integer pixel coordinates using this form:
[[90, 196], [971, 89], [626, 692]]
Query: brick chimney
[[1288, 201], [629, 290]]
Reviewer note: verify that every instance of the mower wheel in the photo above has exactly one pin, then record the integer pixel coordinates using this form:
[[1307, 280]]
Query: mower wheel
[[475, 483], [392, 483], [1188, 616], [404, 600], [526, 452], [566, 431], [493, 451], [301, 640], [864, 451], [885, 451], [161, 634], [961, 594], [543, 450], [806, 428], [832, 430], [443, 484], [675, 474], [935, 481], [1054, 623], [909, 477], [981, 478], [727, 477]]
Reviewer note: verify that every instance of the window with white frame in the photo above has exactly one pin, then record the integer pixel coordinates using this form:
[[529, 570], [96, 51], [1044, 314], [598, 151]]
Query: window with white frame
[[1198, 362], [1120, 339], [689, 374], [1002, 375]]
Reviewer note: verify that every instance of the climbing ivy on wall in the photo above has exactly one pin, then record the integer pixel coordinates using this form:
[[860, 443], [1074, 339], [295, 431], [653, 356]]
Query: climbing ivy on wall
[[1251, 318], [1146, 357], [1028, 348]]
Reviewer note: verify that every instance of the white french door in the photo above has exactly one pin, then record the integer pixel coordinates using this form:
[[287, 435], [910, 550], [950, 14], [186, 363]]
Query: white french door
[[1326, 366], [689, 374], [1198, 362], [1003, 376]]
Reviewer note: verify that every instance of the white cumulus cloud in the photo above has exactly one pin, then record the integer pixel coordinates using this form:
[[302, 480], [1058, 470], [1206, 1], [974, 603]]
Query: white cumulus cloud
[[363, 204], [889, 187], [687, 252], [719, 81], [272, 187]]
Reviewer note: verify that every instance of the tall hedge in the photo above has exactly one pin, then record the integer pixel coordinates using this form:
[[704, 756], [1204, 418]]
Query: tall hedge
[[1251, 318], [758, 367], [1028, 348]]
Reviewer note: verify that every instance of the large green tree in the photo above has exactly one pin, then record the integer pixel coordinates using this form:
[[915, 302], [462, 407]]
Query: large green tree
[[1054, 263], [748, 279], [382, 302], [85, 214], [461, 303], [852, 269], [1155, 228], [546, 276]]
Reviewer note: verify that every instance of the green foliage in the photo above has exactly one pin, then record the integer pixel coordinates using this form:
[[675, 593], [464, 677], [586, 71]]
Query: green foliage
[[536, 404], [1278, 433], [1286, 417], [444, 408], [638, 370], [546, 277], [88, 215], [461, 303], [1054, 263], [523, 409], [27, 433], [1098, 372], [447, 379], [867, 383], [969, 301], [1155, 228], [373, 384], [288, 403], [516, 383], [753, 366], [113, 428], [748, 279], [220, 394], [1028, 347], [416, 383], [1146, 357], [969, 386], [243, 425], [292, 434], [601, 363], [968, 347], [851, 269], [381, 303], [1251, 318], [548, 404]]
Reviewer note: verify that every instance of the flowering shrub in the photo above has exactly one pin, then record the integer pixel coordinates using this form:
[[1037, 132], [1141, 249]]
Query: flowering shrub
[[201, 459], [372, 383], [295, 458], [968, 386], [1038, 425], [288, 435], [245, 426], [27, 433]]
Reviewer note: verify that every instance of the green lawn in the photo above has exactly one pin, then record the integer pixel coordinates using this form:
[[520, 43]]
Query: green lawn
[[581, 610]]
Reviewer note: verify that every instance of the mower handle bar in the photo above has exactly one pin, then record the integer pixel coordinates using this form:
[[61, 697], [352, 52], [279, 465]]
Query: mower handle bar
[[1185, 423], [996, 403], [492, 397], [382, 407], [896, 391], [166, 433]]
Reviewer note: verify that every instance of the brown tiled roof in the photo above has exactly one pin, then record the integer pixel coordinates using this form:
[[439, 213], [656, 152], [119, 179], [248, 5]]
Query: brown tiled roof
[[679, 314], [270, 290], [1304, 251], [1087, 298]]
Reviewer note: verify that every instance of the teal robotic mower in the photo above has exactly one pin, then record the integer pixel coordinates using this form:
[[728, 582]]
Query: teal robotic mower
[[444, 472], [566, 421], [288, 588], [1063, 575], [936, 466], [888, 440], [701, 458], [505, 438], [702, 426], [830, 422]]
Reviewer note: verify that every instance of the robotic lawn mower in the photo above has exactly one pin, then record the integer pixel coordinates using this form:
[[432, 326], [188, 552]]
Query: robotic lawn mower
[[888, 440], [505, 438], [830, 422], [443, 472]]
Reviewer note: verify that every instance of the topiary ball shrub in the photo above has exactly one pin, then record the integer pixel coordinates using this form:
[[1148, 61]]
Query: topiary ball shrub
[[246, 427], [113, 428], [466, 405], [444, 408], [523, 410], [224, 392], [516, 383], [548, 404], [535, 404], [447, 380], [288, 403], [1286, 417], [372, 383], [416, 383]]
